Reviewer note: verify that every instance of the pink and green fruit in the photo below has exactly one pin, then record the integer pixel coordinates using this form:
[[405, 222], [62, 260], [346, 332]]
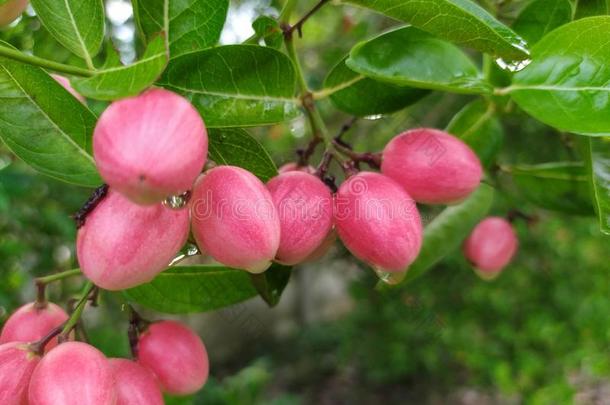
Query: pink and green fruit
[[17, 363], [73, 373], [135, 385], [123, 244], [305, 208], [234, 219], [151, 146], [378, 222], [491, 246], [176, 355], [433, 166]]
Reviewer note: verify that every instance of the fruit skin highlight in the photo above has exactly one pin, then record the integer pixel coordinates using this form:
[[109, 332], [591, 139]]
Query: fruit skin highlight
[[73, 373], [122, 244], [17, 363], [294, 166], [176, 355], [29, 324], [378, 222], [11, 10], [151, 146], [433, 166], [491, 246], [135, 385], [234, 219], [305, 208]]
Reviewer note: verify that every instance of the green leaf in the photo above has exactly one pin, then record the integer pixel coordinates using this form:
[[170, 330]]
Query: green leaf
[[46, 126], [271, 283], [358, 95], [541, 17], [236, 85], [459, 21], [234, 146], [477, 125], [410, 57], [116, 81], [567, 84], [268, 29], [447, 231], [599, 170], [560, 186], [588, 8], [76, 24], [193, 25], [188, 289]]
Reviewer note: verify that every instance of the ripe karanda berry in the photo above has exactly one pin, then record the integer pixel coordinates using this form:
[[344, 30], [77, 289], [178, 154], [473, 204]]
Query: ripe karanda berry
[[234, 219], [433, 166], [176, 355], [378, 222], [17, 363], [151, 146], [135, 385], [10, 10], [32, 322], [292, 166], [491, 246], [122, 244], [305, 208], [73, 373]]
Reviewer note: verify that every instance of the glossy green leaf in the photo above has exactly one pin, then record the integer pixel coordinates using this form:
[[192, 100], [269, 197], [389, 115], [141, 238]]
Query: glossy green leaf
[[541, 17], [477, 125], [447, 231], [188, 289], [76, 24], [193, 24], [268, 29], [410, 57], [271, 283], [44, 125], [561, 186], [599, 170], [589, 8], [567, 84], [358, 95], [459, 21], [236, 85], [116, 81], [234, 146]]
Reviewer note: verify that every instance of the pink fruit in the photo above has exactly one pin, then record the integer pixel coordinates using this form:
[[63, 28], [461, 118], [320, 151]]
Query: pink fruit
[[293, 166], [10, 10], [378, 222], [17, 363], [176, 355], [73, 373], [491, 246], [66, 84], [234, 219], [324, 247], [433, 166], [305, 208], [151, 146], [30, 324], [135, 385], [123, 244]]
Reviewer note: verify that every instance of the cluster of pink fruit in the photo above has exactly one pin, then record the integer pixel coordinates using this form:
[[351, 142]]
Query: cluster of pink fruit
[[152, 147], [35, 370]]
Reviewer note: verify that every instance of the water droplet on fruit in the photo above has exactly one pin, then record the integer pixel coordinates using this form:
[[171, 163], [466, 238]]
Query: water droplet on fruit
[[177, 202]]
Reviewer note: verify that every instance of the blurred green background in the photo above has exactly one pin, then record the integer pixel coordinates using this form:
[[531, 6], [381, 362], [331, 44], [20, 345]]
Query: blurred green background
[[539, 334]]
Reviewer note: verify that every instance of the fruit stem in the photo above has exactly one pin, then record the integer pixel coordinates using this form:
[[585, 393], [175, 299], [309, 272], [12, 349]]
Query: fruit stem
[[38, 347], [98, 195], [299, 24], [78, 311], [41, 285], [47, 64]]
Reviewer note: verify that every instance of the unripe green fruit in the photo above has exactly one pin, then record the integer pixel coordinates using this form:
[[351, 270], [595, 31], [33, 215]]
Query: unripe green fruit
[[10, 10]]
